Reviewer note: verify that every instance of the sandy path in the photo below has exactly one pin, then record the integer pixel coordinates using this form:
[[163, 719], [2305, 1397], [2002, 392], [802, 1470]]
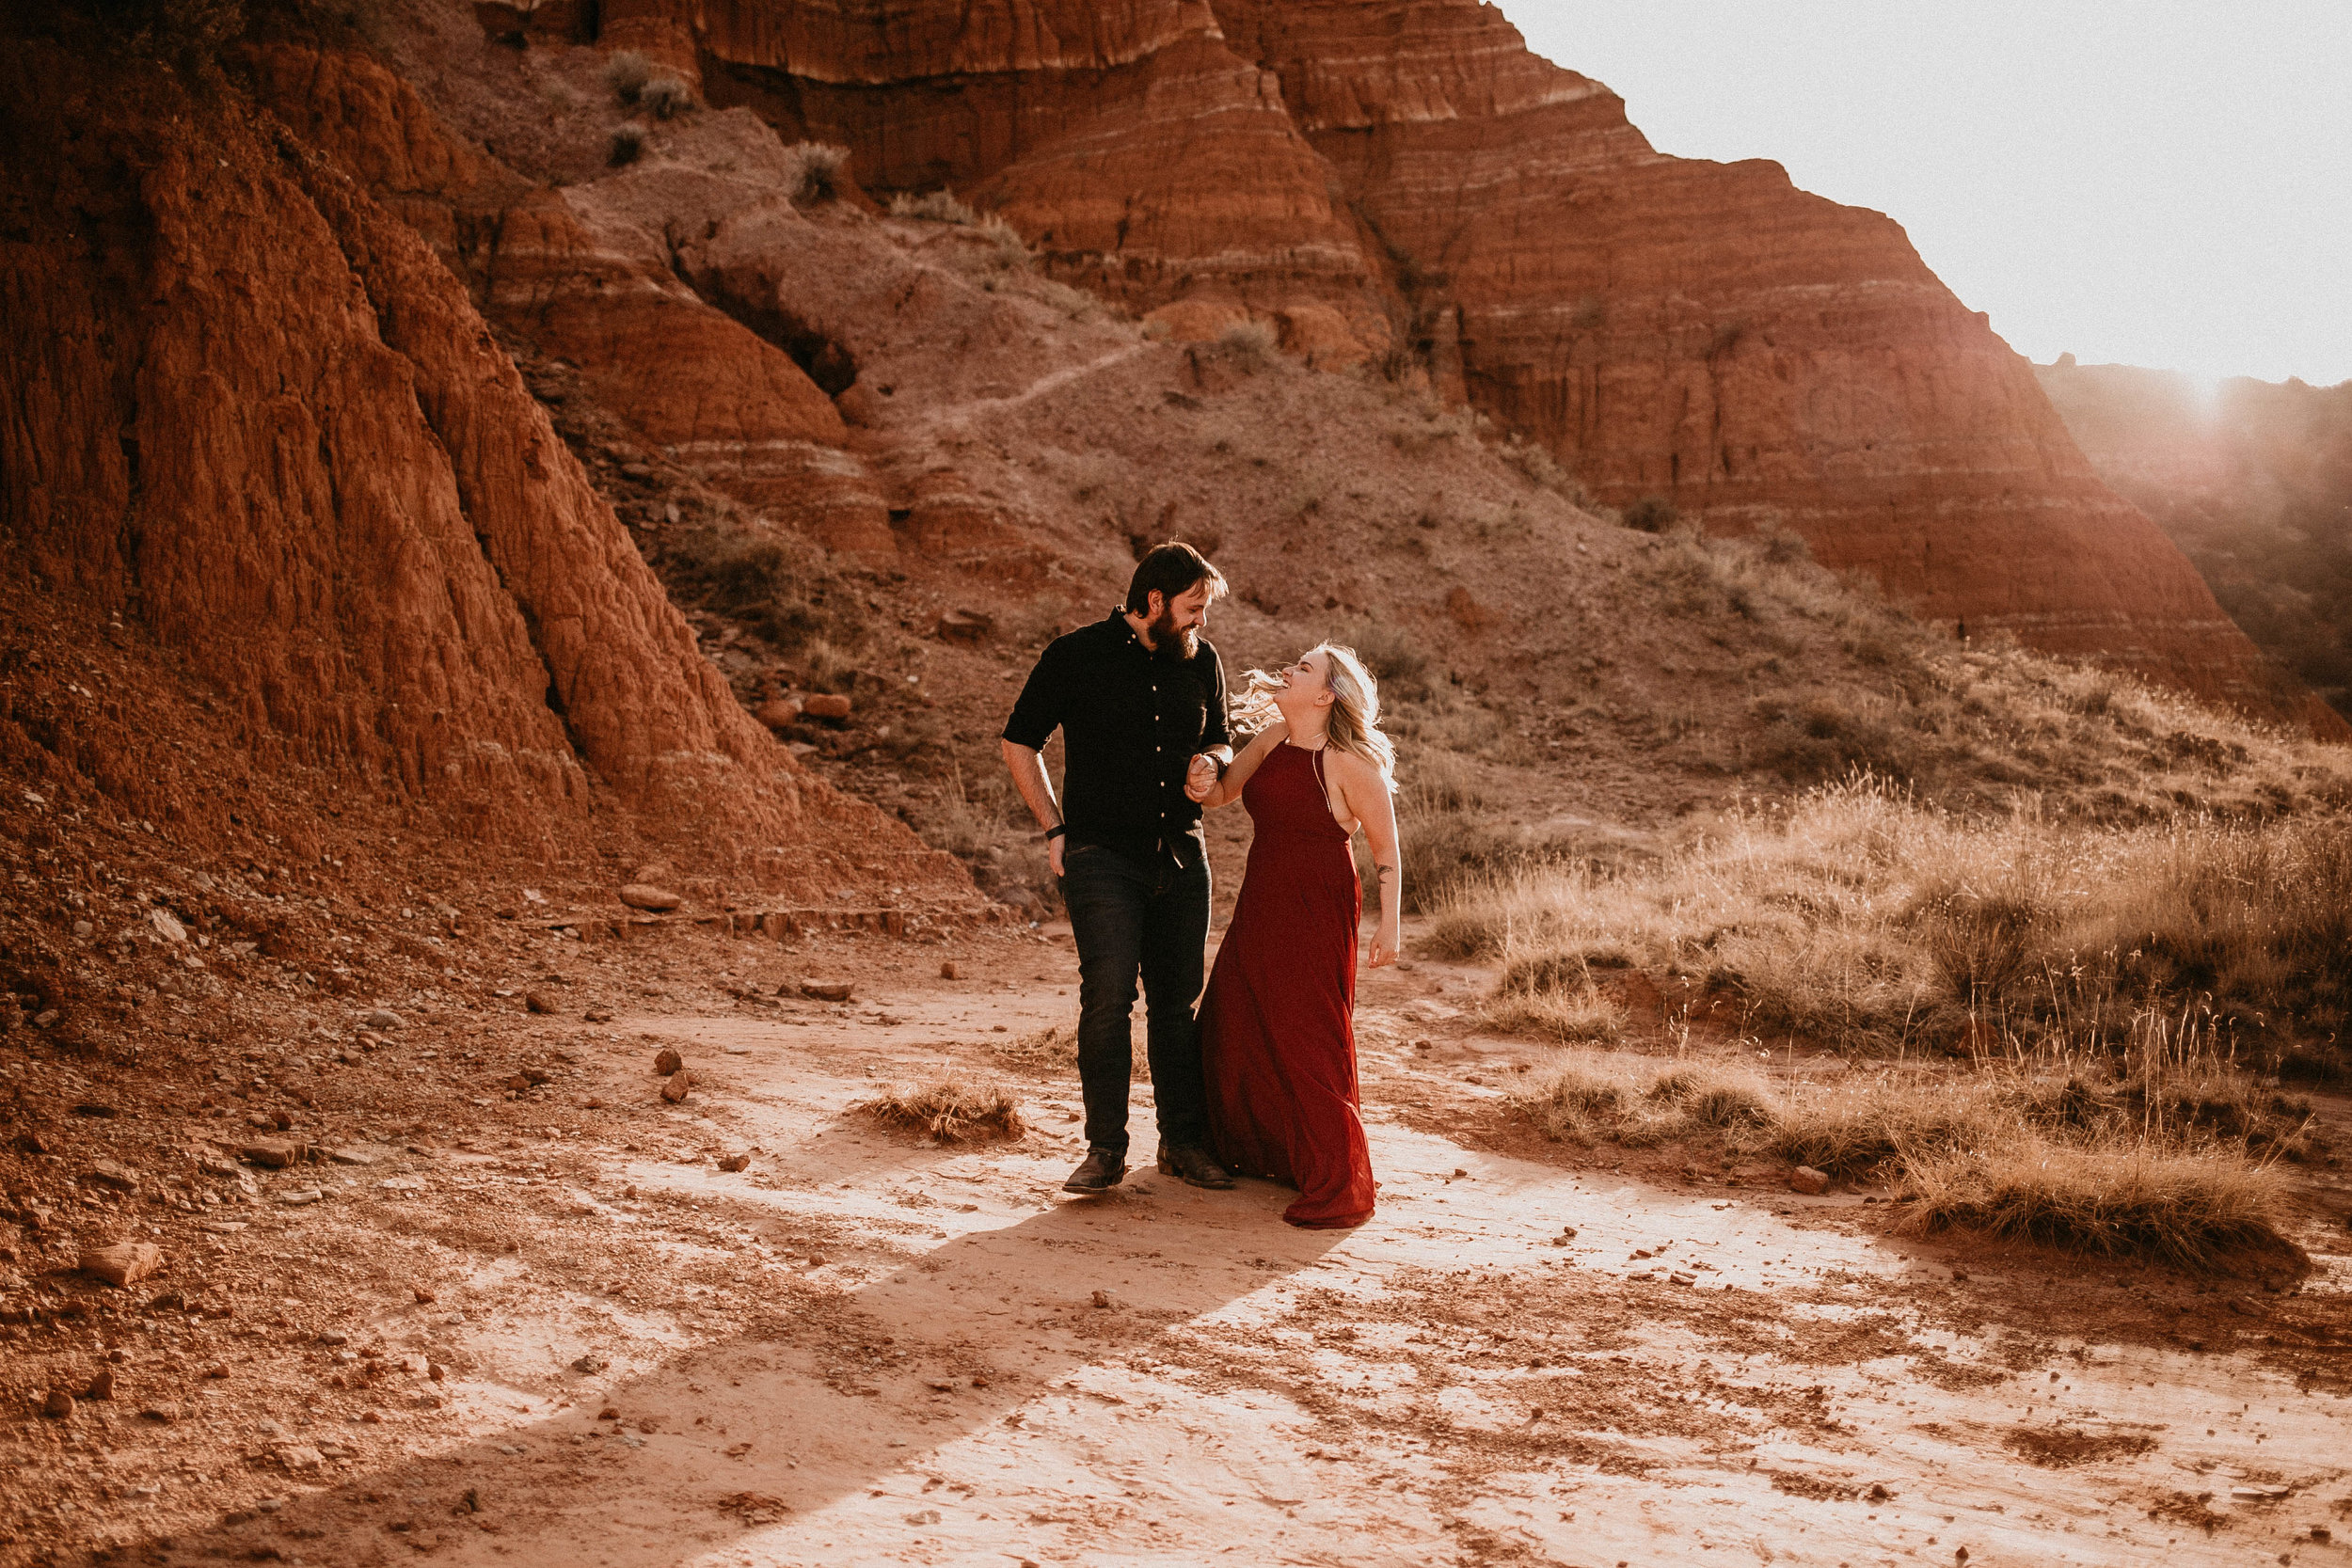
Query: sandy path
[[1444, 1385], [866, 1349]]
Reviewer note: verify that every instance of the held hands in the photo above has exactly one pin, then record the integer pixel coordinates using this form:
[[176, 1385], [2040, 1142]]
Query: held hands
[[1200, 778]]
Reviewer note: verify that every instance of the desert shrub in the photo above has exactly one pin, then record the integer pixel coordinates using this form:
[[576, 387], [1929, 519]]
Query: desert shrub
[[1249, 344], [939, 206], [812, 172], [1650, 515], [665, 98], [628, 144], [626, 73], [949, 1110], [1008, 251]]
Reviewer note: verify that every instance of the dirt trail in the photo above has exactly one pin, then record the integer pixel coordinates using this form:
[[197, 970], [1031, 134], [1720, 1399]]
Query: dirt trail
[[866, 1348]]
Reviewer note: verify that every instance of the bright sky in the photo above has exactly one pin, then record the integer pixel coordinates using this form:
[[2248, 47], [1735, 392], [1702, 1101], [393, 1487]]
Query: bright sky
[[2151, 182]]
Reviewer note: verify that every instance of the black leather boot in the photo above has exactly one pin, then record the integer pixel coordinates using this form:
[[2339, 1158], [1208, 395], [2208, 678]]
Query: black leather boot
[[1101, 1170], [1193, 1163]]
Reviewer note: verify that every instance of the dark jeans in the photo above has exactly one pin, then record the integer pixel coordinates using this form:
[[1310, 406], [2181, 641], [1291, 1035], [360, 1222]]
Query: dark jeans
[[1135, 916]]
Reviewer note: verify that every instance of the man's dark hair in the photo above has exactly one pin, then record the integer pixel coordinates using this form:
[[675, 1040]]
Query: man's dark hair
[[1168, 570]]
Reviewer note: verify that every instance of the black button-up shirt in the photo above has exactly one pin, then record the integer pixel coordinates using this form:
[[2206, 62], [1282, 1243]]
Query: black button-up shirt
[[1131, 722]]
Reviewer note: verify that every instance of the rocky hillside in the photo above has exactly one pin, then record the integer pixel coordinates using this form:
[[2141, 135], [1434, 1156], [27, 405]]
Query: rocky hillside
[[2252, 480], [1405, 184], [444, 426]]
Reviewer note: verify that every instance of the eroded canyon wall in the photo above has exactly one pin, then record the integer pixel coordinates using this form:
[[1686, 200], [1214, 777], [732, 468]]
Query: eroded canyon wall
[[252, 410], [1377, 175]]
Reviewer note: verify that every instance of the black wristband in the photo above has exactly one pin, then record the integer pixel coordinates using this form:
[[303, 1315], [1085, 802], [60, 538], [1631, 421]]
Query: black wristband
[[1056, 832]]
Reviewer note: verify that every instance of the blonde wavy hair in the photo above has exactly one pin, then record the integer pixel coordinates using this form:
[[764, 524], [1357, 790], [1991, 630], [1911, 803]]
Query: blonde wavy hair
[[1355, 722]]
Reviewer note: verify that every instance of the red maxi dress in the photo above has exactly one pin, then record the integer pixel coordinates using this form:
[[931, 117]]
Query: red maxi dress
[[1278, 1043]]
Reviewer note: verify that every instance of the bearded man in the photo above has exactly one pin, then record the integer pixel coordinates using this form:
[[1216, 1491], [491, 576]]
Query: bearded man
[[1139, 697]]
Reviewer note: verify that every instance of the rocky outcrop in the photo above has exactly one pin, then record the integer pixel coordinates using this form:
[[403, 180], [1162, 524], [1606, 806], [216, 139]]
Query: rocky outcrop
[[1373, 175], [257, 413]]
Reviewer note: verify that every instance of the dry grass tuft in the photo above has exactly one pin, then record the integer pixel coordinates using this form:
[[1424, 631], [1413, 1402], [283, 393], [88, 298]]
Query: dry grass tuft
[[666, 98], [1250, 345], [2166, 1153], [949, 1110], [1862, 919], [2193, 1206], [626, 74], [939, 206], [1049, 1052], [815, 174]]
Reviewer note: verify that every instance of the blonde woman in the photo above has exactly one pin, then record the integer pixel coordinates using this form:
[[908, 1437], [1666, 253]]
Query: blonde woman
[[1278, 1041]]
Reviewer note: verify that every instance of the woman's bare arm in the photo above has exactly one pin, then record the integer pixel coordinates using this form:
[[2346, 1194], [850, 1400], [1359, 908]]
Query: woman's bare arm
[[1365, 793], [1228, 788]]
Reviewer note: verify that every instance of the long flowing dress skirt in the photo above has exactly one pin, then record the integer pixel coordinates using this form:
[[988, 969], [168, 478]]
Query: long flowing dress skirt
[[1278, 1041]]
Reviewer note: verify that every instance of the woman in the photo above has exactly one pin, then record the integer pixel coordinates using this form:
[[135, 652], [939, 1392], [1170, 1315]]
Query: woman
[[1278, 1043]]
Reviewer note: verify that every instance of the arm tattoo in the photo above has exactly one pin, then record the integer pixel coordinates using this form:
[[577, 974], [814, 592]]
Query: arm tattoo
[[1383, 873]]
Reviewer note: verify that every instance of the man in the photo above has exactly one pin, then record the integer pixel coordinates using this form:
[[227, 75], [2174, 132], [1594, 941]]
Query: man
[[1139, 698]]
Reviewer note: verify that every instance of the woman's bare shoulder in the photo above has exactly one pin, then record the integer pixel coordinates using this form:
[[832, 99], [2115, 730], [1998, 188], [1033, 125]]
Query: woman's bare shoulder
[[1352, 769]]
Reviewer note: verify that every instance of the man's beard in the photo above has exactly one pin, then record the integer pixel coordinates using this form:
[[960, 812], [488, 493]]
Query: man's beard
[[1170, 643]]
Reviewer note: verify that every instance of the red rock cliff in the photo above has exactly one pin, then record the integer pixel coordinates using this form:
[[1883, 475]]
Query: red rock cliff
[[254, 410], [1371, 172]]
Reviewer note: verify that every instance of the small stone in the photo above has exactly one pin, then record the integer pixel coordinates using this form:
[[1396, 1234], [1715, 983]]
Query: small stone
[[95, 1108], [300, 1196], [1960, 1277], [120, 1176], [161, 1414], [735, 1162], [382, 1019], [826, 705], [58, 1406], [348, 1157], [590, 1364], [667, 1061], [301, 1456], [655, 900], [101, 1387], [598, 1015], [333, 1336], [965, 626], [778, 713], [169, 1301], [1105, 1299], [608, 1413], [950, 970], [166, 925], [45, 1017], [125, 1263], [1679, 1277], [213, 1165], [537, 1002], [1804, 1179], [216, 1372], [424, 1293], [435, 1370], [827, 991], [275, 1153], [678, 1084]]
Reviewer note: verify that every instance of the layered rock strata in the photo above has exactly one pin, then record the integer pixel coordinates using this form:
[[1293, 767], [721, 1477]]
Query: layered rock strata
[[1373, 175], [256, 412]]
